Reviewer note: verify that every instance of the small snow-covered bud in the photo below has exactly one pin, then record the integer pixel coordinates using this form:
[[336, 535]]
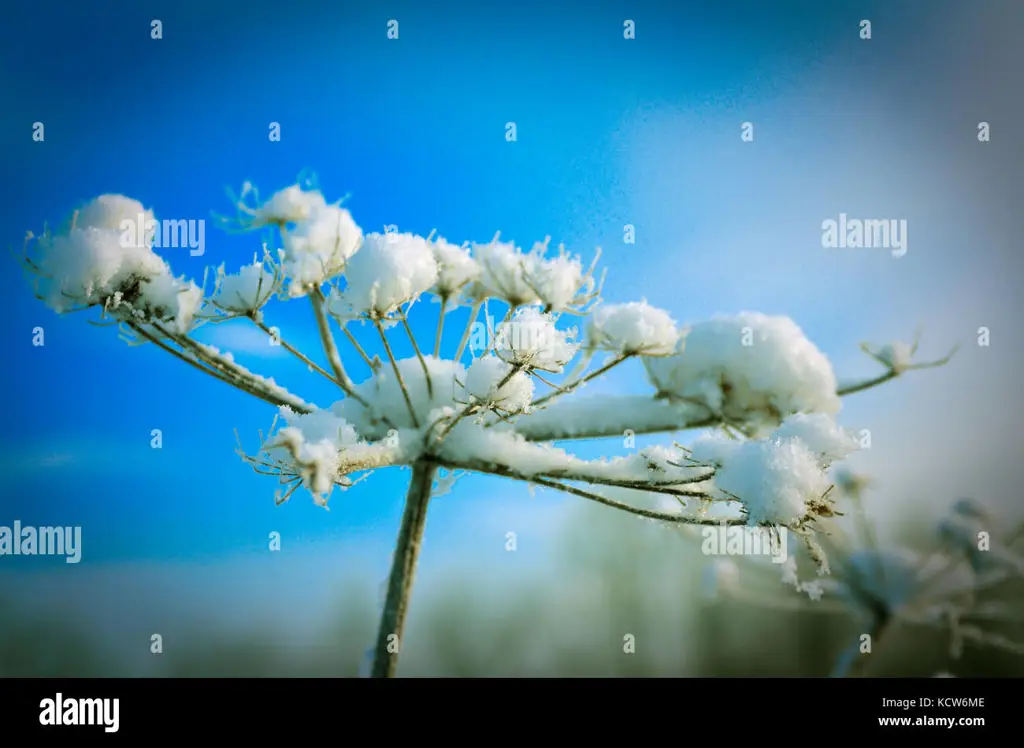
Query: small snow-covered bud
[[245, 291], [531, 340], [389, 270], [319, 247], [633, 328], [557, 280], [491, 380], [290, 205], [314, 442], [456, 268], [503, 274]]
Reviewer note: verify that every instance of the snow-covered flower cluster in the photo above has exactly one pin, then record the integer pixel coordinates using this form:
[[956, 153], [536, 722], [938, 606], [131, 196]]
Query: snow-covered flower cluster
[[749, 369], [105, 259], [781, 479], [389, 271], [633, 328], [247, 290], [531, 340], [521, 278], [748, 373]]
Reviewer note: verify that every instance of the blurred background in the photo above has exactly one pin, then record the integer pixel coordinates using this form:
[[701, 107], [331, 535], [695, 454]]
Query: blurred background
[[610, 131]]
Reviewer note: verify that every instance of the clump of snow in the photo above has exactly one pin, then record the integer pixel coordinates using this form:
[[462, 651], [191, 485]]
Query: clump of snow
[[494, 382], [522, 279], [559, 280], [245, 291], [99, 261], [168, 299], [781, 480], [313, 442], [118, 213], [749, 368], [384, 395], [633, 328], [456, 268], [319, 247], [290, 205], [820, 434], [503, 274], [531, 340], [390, 270]]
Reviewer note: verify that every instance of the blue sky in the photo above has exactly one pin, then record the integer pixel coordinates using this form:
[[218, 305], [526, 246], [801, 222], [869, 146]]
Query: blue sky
[[610, 132]]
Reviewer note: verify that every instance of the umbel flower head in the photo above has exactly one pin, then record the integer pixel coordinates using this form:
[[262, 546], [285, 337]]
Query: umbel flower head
[[507, 408]]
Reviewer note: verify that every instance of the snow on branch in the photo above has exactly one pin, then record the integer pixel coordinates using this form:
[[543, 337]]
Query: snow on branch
[[756, 375]]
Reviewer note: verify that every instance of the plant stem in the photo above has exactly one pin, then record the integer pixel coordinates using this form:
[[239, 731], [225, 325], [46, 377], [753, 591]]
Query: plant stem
[[403, 569], [469, 329], [440, 328]]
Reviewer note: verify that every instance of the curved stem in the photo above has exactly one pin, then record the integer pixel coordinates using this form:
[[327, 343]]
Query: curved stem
[[403, 568]]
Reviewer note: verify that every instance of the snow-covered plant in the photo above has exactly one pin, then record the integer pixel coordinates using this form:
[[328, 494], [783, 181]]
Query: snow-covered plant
[[496, 407], [954, 586]]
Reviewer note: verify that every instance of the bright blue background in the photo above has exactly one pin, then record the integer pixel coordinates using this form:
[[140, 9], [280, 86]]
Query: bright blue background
[[414, 130]]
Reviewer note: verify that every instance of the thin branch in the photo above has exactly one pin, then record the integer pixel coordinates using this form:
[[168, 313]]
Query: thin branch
[[440, 327], [893, 373], [359, 349], [291, 349], [316, 297], [234, 372], [474, 312], [238, 385], [419, 355], [506, 472], [566, 389], [398, 372]]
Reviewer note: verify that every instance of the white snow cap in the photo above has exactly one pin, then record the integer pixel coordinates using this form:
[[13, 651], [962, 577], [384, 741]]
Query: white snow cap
[[779, 479], [522, 279], [313, 442], [389, 270], [101, 262], [384, 394], [531, 340], [117, 212], [633, 328], [318, 247], [290, 205], [486, 374], [456, 268], [245, 291], [820, 434], [749, 367]]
